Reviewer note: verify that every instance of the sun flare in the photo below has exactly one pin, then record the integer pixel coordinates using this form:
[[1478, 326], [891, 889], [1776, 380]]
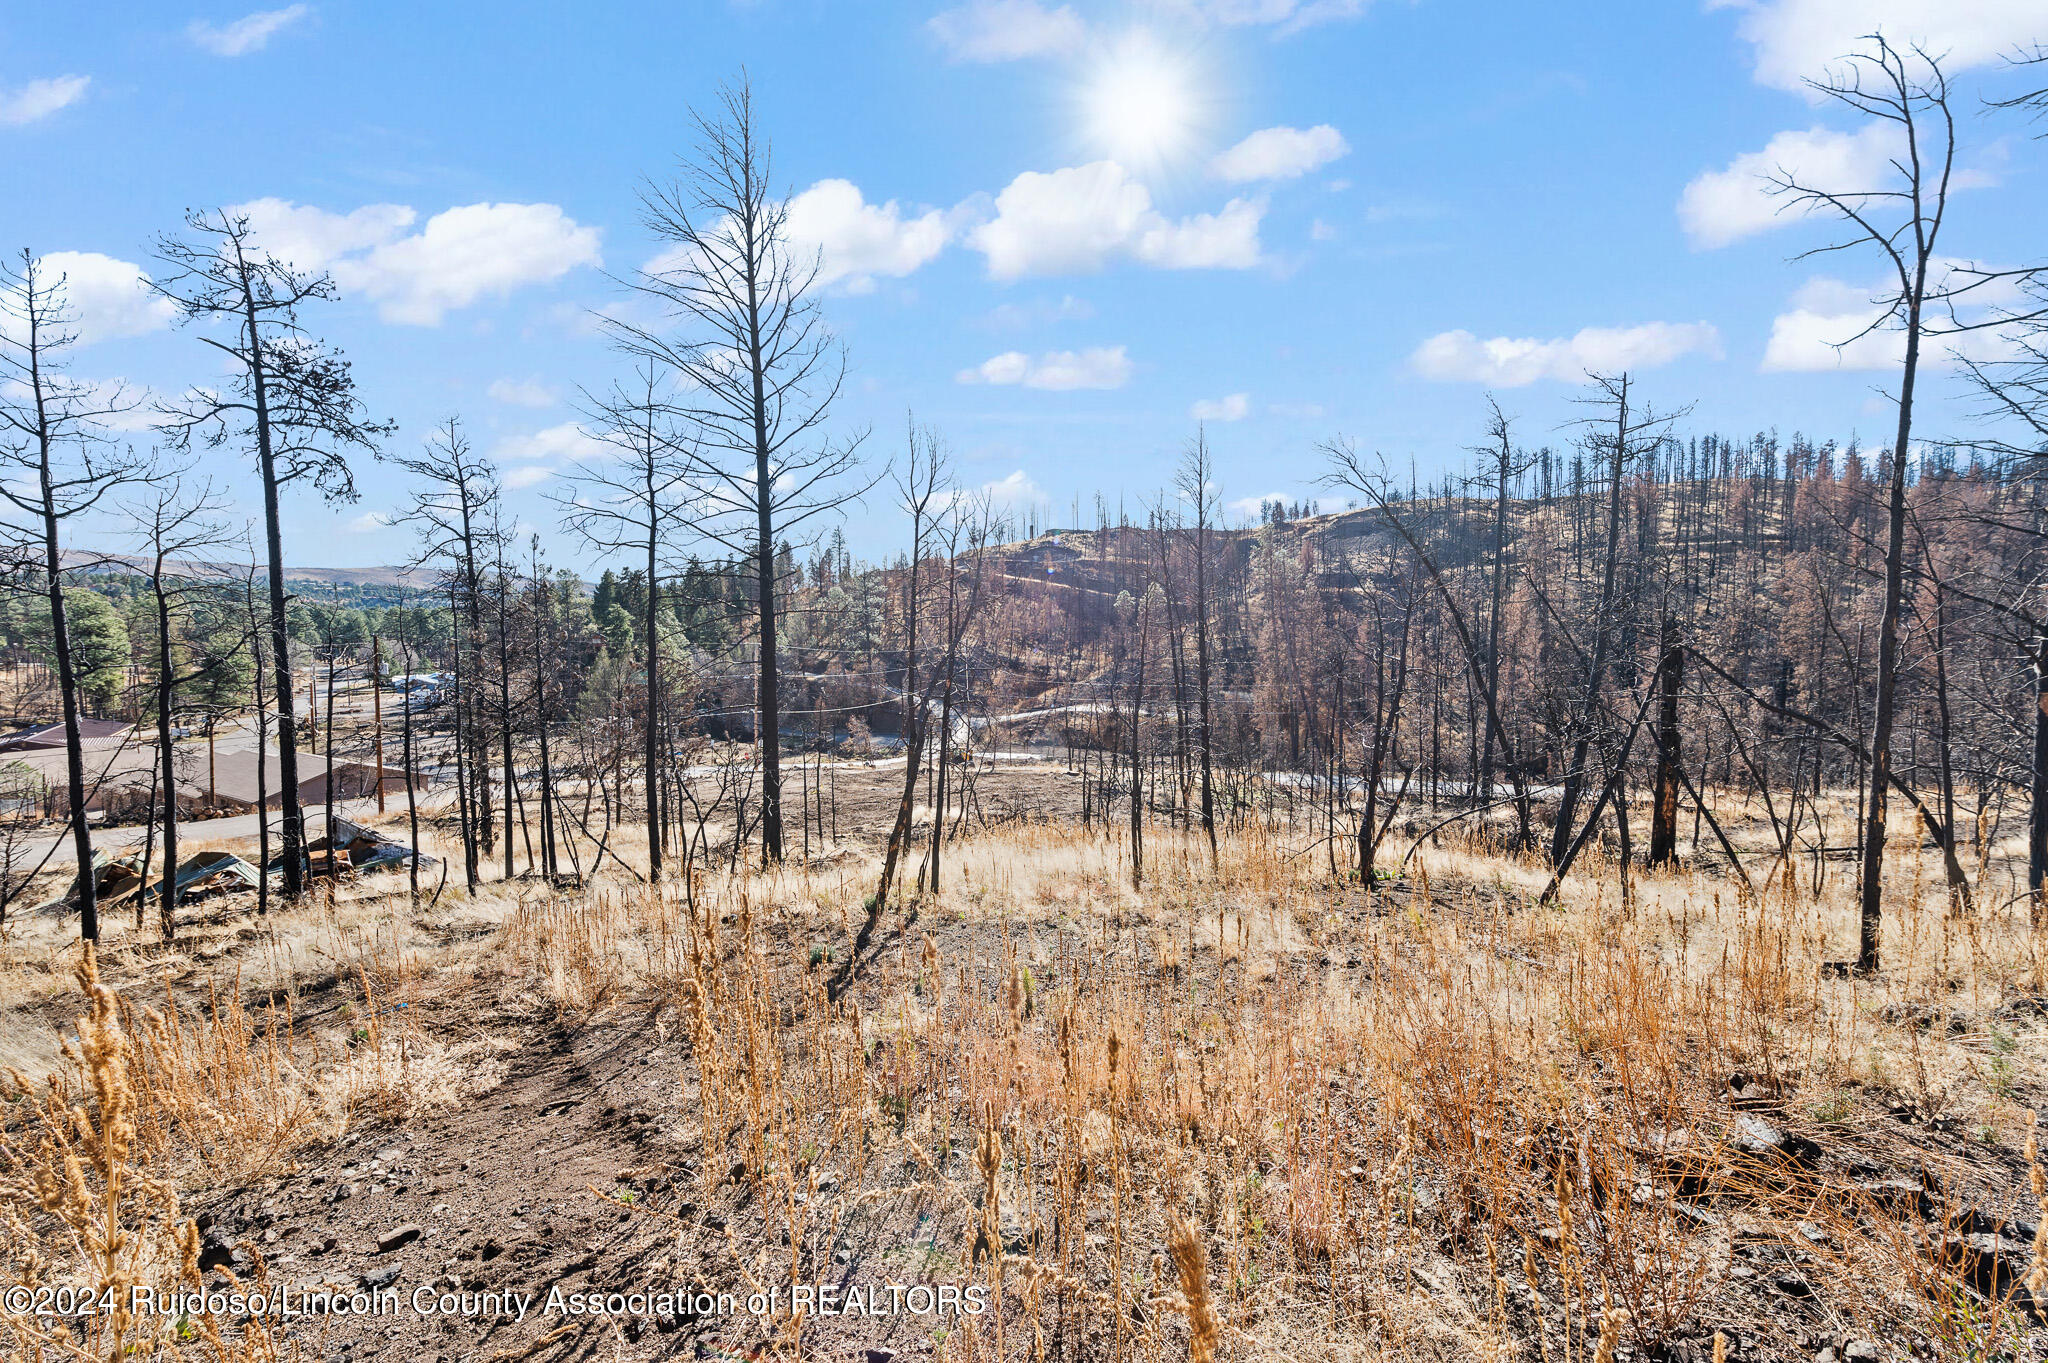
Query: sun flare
[[1143, 104]]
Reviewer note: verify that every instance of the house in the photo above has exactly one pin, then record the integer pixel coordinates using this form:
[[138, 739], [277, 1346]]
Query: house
[[94, 735], [118, 773], [230, 780], [122, 781]]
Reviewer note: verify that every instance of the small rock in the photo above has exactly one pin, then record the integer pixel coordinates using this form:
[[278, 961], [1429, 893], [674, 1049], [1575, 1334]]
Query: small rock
[[877, 1355], [1756, 1137], [381, 1277], [1792, 1285], [1863, 1351], [399, 1235]]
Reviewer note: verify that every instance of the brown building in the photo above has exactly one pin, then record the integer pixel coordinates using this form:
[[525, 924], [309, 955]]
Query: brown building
[[231, 779], [121, 778]]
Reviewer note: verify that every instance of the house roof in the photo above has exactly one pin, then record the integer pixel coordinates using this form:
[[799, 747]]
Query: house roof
[[92, 734], [234, 774]]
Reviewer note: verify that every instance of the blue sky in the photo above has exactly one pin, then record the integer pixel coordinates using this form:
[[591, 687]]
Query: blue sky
[[1060, 233]]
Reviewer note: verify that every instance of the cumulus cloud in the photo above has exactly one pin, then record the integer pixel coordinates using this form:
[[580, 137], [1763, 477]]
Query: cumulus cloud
[[1014, 491], [1798, 39], [1279, 154], [1722, 206], [1007, 30], [40, 98], [465, 253], [1833, 325], [1057, 370], [1235, 407], [566, 441], [247, 34], [368, 521], [858, 240], [1510, 362], [1077, 218], [313, 238], [1225, 240], [523, 393], [1251, 508], [106, 298], [457, 257]]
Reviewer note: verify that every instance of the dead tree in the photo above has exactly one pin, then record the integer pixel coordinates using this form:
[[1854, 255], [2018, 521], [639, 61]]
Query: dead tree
[[58, 465], [636, 501], [1623, 436], [179, 526], [289, 396], [454, 512], [1499, 451], [926, 489], [1901, 221], [1348, 469], [1664, 797], [756, 373], [1196, 481]]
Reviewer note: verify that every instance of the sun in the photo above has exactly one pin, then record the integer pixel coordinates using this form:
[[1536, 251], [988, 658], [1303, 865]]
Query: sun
[[1143, 104]]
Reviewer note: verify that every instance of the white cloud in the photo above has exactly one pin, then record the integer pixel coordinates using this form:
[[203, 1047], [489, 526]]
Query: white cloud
[[247, 34], [1076, 218], [528, 476], [1804, 341], [1251, 508], [1225, 240], [313, 238], [1510, 362], [106, 298], [1279, 154], [465, 253], [568, 441], [457, 257], [1286, 15], [368, 521], [1235, 407], [39, 99], [1007, 30], [1828, 326], [859, 240], [523, 393], [1013, 491], [1797, 39], [1721, 206], [1057, 371]]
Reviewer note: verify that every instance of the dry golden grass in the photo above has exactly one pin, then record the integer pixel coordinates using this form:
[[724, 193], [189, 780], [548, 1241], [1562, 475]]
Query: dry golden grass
[[1241, 1111]]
